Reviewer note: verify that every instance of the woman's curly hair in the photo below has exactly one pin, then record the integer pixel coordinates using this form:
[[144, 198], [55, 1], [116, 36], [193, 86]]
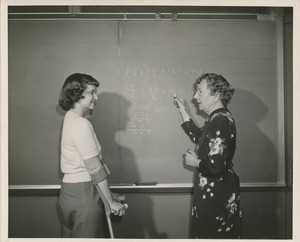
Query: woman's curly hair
[[217, 84], [73, 89]]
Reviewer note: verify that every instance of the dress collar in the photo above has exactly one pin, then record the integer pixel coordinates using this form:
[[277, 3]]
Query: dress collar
[[218, 110]]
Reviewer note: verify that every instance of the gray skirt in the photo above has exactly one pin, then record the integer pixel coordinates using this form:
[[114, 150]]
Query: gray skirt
[[82, 211]]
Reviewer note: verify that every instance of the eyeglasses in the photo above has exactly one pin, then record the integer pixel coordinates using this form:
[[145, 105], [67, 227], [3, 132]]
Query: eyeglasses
[[94, 92], [198, 91]]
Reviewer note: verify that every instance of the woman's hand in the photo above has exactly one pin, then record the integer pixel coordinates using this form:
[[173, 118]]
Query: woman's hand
[[179, 103], [191, 158], [118, 208]]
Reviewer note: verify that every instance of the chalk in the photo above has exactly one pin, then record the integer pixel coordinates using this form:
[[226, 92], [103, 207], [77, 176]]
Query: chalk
[[125, 205], [175, 101], [146, 183]]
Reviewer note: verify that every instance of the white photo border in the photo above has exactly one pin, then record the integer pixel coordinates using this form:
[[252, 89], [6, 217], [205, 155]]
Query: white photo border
[[295, 4]]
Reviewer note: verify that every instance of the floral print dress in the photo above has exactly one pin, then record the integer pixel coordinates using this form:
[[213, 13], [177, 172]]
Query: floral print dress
[[216, 196]]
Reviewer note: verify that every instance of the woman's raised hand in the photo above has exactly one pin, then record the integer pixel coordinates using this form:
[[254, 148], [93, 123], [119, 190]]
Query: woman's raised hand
[[179, 103]]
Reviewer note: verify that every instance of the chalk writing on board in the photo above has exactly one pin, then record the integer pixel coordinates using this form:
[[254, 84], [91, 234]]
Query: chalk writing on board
[[140, 126], [154, 71], [140, 122], [154, 92]]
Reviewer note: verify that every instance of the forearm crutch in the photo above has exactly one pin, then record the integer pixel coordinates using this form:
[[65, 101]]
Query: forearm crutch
[[107, 211]]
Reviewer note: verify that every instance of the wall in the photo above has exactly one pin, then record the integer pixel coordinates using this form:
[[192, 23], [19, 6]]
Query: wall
[[149, 216]]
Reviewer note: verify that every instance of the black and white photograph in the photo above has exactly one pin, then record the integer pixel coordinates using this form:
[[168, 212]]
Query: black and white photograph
[[149, 120]]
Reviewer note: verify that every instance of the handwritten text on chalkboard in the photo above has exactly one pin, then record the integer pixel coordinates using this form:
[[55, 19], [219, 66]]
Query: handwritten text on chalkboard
[[153, 71]]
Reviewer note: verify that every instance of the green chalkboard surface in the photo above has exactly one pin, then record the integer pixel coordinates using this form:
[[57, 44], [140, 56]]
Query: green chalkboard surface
[[140, 65]]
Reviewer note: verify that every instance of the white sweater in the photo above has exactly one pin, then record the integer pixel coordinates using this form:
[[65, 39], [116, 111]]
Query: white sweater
[[78, 142]]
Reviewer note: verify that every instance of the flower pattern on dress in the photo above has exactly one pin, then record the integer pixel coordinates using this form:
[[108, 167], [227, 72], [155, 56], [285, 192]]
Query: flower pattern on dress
[[202, 181], [225, 222], [232, 206], [203, 184], [194, 211], [216, 145]]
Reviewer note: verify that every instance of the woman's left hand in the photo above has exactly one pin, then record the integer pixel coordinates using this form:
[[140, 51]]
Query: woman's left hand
[[191, 158], [119, 200]]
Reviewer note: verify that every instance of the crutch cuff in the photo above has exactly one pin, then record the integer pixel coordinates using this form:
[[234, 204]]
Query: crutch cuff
[[99, 174]]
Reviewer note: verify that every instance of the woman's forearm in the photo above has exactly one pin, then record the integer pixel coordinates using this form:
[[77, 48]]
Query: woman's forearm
[[185, 116], [103, 185]]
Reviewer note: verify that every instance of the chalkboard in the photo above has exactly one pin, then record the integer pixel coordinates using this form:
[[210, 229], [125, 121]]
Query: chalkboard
[[140, 65]]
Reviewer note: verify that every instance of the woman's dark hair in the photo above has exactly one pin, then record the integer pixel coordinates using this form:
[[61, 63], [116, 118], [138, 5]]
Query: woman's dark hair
[[73, 89], [217, 84]]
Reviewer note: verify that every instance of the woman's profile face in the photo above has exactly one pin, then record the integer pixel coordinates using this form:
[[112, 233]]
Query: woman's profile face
[[90, 97], [203, 97]]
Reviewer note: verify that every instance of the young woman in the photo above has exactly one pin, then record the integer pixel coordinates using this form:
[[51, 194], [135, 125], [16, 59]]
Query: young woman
[[82, 163]]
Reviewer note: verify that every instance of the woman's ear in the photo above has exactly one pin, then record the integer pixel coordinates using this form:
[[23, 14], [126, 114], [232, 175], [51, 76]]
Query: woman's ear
[[82, 97], [217, 97]]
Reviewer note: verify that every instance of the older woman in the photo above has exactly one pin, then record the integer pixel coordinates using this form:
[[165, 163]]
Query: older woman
[[82, 163], [216, 195]]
